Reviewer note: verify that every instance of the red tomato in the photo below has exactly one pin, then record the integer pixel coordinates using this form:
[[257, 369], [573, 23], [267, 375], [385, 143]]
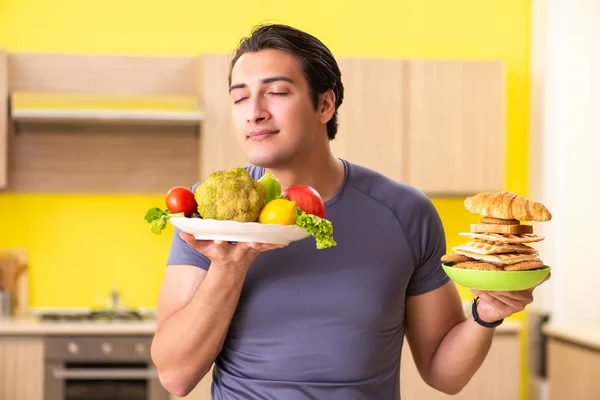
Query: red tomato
[[180, 199], [307, 199]]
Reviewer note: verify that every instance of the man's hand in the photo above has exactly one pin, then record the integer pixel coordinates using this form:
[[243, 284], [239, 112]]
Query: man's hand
[[494, 306], [238, 256]]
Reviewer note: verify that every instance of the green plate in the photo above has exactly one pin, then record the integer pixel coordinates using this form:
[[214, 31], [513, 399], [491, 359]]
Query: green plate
[[501, 281]]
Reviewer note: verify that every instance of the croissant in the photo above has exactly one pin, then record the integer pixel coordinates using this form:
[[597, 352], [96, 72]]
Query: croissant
[[507, 205]]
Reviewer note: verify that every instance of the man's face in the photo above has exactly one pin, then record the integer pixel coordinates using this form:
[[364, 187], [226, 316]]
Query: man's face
[[273, 115]]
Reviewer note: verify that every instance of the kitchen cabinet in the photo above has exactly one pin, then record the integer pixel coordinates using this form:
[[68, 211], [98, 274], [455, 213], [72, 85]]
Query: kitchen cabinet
[[573, 371], [438, 125], [21, 368], [455, 126], [3, 119], [82, 159], [102, 124], [219, 148], [573, 361], [371, 129]]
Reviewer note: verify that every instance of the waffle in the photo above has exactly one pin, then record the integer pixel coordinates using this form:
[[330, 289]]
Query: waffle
[[504, 238], [482, 247], [500, 259]]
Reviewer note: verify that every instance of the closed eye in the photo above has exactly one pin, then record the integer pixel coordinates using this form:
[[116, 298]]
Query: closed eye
[[278, 93], [239, 100]]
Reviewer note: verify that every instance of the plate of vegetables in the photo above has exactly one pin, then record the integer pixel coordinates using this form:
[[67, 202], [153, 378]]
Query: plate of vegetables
[[231, 206]]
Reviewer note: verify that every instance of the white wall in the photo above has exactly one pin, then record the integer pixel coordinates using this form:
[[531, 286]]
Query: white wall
[[565, 154]]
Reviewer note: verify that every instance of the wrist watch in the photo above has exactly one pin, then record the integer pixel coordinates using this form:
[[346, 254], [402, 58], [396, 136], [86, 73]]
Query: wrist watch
[[478, 320]]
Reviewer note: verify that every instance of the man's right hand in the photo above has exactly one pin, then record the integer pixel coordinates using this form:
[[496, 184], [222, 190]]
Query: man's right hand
[[236, 257]]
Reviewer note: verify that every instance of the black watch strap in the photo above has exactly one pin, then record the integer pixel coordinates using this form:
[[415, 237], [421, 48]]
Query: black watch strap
[[478, 320]]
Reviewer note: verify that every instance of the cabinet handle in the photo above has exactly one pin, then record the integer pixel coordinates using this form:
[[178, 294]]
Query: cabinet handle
[[104, 373]]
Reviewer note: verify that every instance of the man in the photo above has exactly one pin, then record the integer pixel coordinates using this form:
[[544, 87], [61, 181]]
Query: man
[[295, 322]]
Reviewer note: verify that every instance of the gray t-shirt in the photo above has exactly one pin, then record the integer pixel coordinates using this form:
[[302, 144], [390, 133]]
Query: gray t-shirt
[[329, 324]]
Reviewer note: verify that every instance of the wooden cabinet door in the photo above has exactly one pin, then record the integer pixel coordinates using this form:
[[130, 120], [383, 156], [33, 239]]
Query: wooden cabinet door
[[434, 124], [219, 149], [371, 117], [21, 368], [455, 126], [573, 371], [3, 119], [437, 125]]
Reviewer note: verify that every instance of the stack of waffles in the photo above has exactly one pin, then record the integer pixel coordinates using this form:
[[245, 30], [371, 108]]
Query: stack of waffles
[[500, 242]]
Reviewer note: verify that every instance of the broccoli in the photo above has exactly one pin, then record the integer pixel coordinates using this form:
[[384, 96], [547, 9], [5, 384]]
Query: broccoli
[[230, 195]]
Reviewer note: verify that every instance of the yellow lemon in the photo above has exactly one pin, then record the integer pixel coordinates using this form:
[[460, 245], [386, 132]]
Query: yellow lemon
[[278, 211]]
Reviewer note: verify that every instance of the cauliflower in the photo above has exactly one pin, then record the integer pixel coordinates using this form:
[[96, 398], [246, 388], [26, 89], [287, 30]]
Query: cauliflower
[[230, 195]]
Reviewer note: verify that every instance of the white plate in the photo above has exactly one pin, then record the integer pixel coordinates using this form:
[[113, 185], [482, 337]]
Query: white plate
[[232, 231]]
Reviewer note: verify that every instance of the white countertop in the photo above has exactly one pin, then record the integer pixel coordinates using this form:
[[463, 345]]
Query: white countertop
[[584, 335], [32, 326]]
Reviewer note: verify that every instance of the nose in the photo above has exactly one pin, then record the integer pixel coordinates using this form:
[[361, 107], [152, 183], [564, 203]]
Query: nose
[[257, 112]]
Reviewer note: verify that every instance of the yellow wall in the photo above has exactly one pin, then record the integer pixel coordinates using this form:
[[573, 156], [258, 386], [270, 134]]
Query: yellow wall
[[102, 241]]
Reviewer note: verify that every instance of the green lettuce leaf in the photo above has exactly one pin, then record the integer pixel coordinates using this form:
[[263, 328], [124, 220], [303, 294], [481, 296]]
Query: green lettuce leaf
[[320, 228], [157, 219]]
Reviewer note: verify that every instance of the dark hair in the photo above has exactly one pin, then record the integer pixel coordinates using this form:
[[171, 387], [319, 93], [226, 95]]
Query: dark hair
[[318, 64]]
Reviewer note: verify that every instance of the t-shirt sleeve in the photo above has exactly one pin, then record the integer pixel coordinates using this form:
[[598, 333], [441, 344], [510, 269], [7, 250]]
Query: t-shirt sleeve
[[429, 242], [181, 253]]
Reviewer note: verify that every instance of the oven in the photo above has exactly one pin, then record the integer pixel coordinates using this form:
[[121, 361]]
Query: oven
[[100, 368]]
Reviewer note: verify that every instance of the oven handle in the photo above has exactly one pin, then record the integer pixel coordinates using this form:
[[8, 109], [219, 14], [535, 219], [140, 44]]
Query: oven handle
[[104, 373]]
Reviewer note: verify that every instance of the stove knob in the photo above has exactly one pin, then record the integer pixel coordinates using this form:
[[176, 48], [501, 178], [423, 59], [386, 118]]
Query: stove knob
[[140, 348], [106, 349], [72, 348]]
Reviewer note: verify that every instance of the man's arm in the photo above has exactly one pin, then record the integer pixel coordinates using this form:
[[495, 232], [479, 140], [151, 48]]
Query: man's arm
[[447, 347], [195, 309]]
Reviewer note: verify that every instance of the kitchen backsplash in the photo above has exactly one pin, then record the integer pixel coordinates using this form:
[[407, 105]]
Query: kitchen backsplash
[[80, 247]]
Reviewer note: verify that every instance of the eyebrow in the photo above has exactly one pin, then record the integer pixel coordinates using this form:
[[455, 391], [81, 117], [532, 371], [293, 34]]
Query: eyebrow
[[263, 81]]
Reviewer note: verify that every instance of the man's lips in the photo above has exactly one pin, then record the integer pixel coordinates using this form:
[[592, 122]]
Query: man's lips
[[262, 134]]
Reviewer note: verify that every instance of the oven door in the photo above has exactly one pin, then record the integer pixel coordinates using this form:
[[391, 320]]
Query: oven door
[[112, 373], [101, 381]]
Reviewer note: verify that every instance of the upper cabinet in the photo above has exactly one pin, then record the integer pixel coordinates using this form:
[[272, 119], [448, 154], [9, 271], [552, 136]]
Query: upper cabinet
[[371, 129], [3, 119], [219, 148], [438, 125], [127, 124], [102, 124], [455, 126]]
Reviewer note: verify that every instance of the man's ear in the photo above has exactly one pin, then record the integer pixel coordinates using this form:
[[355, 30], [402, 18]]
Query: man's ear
[[326, 106]]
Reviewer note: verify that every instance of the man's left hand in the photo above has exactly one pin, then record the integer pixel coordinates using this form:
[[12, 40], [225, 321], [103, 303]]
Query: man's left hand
[[494, 306]]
